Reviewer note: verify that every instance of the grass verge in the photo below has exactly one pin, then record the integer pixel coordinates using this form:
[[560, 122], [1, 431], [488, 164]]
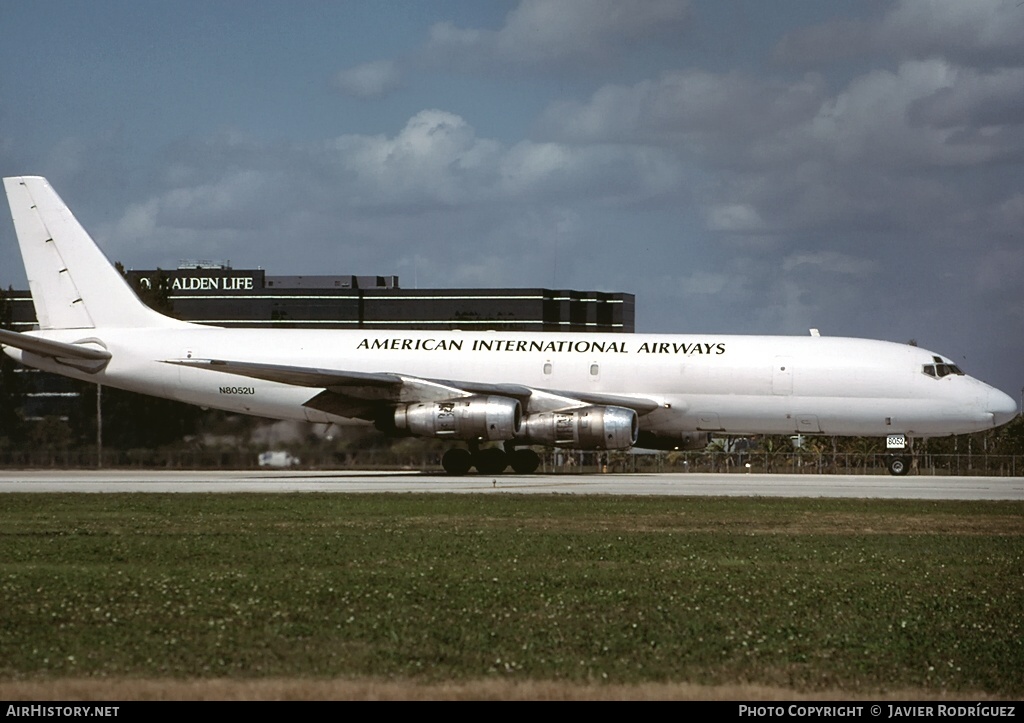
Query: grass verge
[[803, 595]]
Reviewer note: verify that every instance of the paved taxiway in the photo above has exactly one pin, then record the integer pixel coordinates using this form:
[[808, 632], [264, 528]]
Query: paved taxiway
[[690, 484]]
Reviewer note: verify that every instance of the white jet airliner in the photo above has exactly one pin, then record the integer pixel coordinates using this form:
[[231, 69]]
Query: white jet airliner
[[502, 389]]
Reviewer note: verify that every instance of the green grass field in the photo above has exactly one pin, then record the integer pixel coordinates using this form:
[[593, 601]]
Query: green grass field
[[806, 595]]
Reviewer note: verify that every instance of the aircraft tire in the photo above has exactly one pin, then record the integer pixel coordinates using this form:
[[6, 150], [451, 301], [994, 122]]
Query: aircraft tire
[[898, 466], [491, 460], [457, 461], [524, 461]]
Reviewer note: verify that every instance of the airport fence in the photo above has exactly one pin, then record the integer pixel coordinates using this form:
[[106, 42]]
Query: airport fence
[[552, 461], [989, 465]]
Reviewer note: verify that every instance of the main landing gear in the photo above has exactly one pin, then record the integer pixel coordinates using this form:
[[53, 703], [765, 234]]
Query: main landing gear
[[490, 460]]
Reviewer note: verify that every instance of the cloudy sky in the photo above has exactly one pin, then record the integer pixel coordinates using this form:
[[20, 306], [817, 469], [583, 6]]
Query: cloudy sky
[[741, 166]]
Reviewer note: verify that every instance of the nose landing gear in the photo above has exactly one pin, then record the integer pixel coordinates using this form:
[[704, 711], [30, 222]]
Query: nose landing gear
[[900, 446], [898, 465]]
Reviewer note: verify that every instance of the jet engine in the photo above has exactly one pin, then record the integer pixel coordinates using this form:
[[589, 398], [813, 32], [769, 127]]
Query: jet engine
[[484, 418], [583, 428]]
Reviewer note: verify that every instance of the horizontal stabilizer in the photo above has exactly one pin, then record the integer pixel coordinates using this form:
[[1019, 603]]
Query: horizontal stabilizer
[[86, 358]]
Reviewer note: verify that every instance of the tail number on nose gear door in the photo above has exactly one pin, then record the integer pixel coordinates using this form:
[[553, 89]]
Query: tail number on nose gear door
[[238, 390]]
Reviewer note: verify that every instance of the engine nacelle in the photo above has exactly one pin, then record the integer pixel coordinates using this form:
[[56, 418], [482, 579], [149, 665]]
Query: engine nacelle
[[479, 417], [583, 428]]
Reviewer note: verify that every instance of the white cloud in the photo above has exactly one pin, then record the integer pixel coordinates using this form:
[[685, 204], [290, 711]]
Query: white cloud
[[782, 156], [733, 118], [868, 121], [438, 158], [559, 31], [983, 100], [695, 110], [435, 187], [829, 262], [369, 80], [182, 222], [735, 218], [981, 33]]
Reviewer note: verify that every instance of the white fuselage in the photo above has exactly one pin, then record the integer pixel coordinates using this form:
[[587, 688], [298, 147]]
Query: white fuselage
[[713, 383]]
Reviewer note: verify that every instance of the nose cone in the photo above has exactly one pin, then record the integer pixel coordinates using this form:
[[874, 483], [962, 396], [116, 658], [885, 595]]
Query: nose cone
[[1002, 407]]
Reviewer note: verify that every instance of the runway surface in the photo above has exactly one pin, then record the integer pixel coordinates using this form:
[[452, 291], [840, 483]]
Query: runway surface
[[688, 484]]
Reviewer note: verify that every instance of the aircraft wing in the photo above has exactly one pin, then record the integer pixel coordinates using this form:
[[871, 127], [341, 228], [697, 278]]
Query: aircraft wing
[[86, 358], [361, 394]]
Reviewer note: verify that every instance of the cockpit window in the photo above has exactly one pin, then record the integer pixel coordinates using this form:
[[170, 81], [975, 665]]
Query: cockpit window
[[941, 369]]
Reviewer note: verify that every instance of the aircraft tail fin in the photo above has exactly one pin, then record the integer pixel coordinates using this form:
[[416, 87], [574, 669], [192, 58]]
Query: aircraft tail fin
[[73, 284]]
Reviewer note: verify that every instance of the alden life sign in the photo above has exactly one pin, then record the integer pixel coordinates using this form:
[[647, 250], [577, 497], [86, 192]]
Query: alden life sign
[[205, 283]]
